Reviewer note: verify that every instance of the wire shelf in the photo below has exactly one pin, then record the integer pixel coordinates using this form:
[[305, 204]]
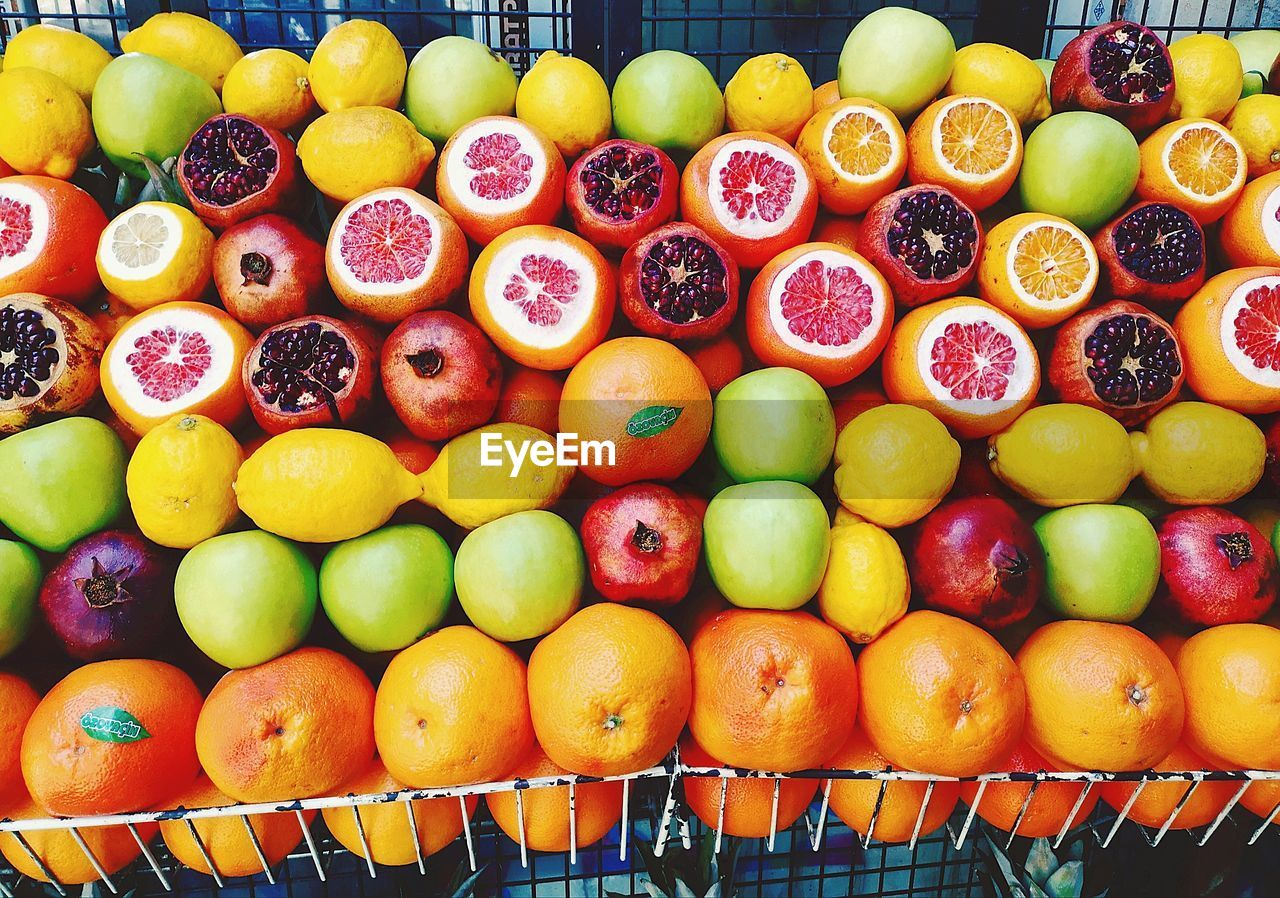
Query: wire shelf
[[1170, 19]]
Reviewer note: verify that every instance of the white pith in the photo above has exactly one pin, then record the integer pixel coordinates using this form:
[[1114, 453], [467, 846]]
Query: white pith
[[459, 175], [1270, 224], [39, 227], [183, 321], [757, 229], [1021, 381], [935, 139], [881, 305], [1236, 183], [891, 128], [334, 249], [1227, 334], [112, 264], [1086, 286], [509, 316]]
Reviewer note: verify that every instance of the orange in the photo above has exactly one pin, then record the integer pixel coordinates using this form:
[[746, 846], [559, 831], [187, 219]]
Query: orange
[[648, 398], [1230, 335], [1156, 803], [854, 801], [772, 690], [1250, 232], [964, 360], [110, 314], [719, 360], [1040, 269], [597, 807], [530, 397], [386, 826], [609, 690], [113, 846], [225, 839], [295, 727], [854, 398], [1262, 798], [17, 701], [452, 709], [748, 801], [1195, 164], [111, 738], [49, 232], [1050, 806], [826, 94], [940, 695], [1100, 696], [841, 230], [1231, 677], [414, 454], [970, 145], [857, 152]]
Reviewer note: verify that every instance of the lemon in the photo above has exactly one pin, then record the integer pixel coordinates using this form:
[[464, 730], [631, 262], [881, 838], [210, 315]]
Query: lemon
[[866, 587], [1194, 453], [359, 63], [74, 57], [270, 86], [44, 125], [389, 150], [1064, 454], [153, 253], [771, 92], [470, 493], [894, 463], [844, 517], [1207, 77], [1255, 122], [567, 100], [1004, 75], [189, 42], [317, 485], [179, 481]]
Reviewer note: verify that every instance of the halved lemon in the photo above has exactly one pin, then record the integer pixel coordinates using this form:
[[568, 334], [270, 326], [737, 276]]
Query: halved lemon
[[1038, 268], [970, 145], [155, 252], [856, 151], [1194, 163]]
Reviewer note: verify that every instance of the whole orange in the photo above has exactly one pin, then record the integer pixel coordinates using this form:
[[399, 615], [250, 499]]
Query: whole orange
[[720, 361], [531, 397], [1001, 803], [17, 701], [58, 850], [748, 801], [1157, 800]]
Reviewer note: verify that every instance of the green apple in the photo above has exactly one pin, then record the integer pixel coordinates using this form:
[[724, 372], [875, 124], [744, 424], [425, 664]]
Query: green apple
[[774, 424], [386, 589], [1081, 166], [766, 544], [453, 80], [19, 588], [521, 576], [1102, 562], [898, 57], [670, 100], [1258, 51], [62, 481], [245, 598], [1046, 68]]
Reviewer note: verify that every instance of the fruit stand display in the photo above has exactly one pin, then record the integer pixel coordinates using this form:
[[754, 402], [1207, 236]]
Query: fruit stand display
[[494, 473]]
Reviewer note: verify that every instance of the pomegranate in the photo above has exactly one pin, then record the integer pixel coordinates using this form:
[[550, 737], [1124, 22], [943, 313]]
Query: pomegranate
[[1215, 567], [978, 559], [1120, 358], [1120, 69], [924, 240], [49, 356], [268, 270], [234, 168], [642, 544], [111, 596], [441, 375], [679, 284], [620, 191], [309, 372], [1154, 253]]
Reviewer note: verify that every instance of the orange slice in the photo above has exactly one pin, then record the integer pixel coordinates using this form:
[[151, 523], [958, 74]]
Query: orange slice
[[971, 145], [1195, 164], [857, 152], [1038, 268]]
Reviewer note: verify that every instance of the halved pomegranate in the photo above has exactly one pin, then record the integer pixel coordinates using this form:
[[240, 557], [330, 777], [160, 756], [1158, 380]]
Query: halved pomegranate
[[234, 168], [309, 372], [49, 355], [1120, 69], [1119, 357], [1154, 252], [679, 284], [620, 191]]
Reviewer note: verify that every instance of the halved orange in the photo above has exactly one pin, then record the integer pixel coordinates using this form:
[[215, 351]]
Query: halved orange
[[970, 145], [1040, 269], [1195, 164], [856, 151]]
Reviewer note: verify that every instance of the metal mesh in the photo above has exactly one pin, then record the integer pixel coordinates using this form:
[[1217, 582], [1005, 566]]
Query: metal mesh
[[1170, 19], [106, 21]]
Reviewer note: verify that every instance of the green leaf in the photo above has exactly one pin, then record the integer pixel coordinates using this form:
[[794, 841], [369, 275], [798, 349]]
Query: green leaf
[[162, 183], [653, 420], [125, 191], [468, 886], [653, 890], [108, 724], [1003, 862], [1035, 891], [683, 890], [1067, 881], [1041, 862]]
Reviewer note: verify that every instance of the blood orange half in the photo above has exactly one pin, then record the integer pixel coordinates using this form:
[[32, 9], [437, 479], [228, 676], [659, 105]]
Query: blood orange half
[[49, 232], [393, 252], [498, 173], [544, 296], [752, 193], [964, 360], [822, 309]]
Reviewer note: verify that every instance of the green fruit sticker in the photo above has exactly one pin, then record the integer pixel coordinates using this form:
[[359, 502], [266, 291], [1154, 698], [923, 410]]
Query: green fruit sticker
[[653, 420], [108, 724]]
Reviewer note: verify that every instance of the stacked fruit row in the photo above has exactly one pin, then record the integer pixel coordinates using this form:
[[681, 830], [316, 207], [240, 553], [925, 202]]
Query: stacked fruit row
[[325, 388]]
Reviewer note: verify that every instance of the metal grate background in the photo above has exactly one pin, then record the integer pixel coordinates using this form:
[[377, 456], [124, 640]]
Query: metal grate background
[[1170, 19]]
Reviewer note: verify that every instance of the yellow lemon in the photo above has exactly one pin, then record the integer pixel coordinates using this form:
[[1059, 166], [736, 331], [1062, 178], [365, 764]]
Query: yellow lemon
[[1207, 77], [44, 125], [389, 150], [567, 100], [270, 86], [894, 463], [844, 517], [1194, 453], [1255, 122], [866, 587], [179, 481], [1004, 75], [189, 42], [359, 63], [74, 57], [1064, 454], [317, 485], [771, 92], [470, 493], [153, 253]]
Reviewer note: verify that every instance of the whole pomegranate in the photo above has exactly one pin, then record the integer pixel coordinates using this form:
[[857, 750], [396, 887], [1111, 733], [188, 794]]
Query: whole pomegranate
[[234, 168], [1215, 567], [268, 270], [49, 357], [1120, 69]]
